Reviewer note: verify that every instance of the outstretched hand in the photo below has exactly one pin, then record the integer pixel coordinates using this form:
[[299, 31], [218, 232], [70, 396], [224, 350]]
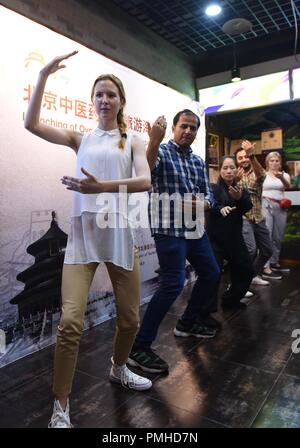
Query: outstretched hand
[[53, 66], [226, 210], [88, 185]]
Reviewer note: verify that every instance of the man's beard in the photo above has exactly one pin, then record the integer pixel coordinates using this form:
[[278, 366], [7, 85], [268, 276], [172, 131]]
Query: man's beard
[[247, 168]]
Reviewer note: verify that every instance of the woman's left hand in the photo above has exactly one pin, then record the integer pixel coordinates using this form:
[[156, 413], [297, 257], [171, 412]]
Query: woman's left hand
[[235, 192], [279, 174], [89, 185]]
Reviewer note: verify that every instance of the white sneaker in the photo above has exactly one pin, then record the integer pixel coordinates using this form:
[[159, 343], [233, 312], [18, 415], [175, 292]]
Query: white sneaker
[[259, 281], [122, 375], [60, 418], [278, 268], [248, 294], [271, 276]]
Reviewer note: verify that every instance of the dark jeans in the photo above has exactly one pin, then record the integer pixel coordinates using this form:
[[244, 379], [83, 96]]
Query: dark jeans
[[172, 255], [240, 267]]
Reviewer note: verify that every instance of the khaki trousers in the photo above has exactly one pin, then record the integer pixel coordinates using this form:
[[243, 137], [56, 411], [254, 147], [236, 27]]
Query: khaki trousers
[[76, 281]]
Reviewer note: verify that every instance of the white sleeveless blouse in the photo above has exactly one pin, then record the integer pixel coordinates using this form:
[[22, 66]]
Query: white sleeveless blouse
[[100, 229], [273, 187]]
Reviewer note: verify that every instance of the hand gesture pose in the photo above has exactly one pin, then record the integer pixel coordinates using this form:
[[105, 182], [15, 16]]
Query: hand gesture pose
[[158, 129], [156, 134], [239, 174], [53, 66], [235, 192], [279, 175], [226, 210], [32, 121], [248, 147], [88, 185]]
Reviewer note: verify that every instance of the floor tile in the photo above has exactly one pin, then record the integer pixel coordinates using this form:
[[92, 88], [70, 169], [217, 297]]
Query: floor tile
[[281, 409]]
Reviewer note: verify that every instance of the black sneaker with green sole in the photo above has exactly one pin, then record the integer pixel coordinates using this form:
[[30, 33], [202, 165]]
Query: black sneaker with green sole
[[147, 360], [198, 330]]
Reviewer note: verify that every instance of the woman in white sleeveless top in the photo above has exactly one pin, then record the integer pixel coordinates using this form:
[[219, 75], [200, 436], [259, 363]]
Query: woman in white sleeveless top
[[274, 186], [100, 230]]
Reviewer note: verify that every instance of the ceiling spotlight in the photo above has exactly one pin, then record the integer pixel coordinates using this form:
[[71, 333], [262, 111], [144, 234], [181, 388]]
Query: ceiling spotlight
[[213, 10], [235, 74]]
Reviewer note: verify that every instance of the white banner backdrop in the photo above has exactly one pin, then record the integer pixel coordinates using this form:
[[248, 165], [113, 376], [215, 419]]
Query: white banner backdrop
[[32, 167]]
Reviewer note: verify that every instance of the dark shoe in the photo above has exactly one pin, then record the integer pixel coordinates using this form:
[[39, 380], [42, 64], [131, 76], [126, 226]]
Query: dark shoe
[[271, 276], [147, 360], [278, 268], [210, 322], [234, 306], [185, 329]]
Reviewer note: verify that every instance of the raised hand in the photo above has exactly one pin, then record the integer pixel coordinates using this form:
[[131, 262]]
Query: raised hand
[[248, 147], [158, 129], [226, 210], [89, 185], [53, 66], [235, 192]]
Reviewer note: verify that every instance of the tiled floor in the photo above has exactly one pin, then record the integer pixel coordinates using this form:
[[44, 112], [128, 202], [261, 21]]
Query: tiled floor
[[246, 377]]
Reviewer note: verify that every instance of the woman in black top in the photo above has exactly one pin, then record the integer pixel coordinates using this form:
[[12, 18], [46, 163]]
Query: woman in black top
[[225, 232]]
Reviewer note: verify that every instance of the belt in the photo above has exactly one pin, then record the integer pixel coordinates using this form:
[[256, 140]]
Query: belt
[[273, 200]]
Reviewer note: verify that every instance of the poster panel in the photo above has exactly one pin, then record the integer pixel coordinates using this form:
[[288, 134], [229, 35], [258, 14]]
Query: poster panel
[[32, 168]]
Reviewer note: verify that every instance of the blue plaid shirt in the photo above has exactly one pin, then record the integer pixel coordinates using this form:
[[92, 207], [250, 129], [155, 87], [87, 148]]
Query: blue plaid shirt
[[179, 171]]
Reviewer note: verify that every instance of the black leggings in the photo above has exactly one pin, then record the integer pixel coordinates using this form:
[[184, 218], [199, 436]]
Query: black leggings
[[240, 267]]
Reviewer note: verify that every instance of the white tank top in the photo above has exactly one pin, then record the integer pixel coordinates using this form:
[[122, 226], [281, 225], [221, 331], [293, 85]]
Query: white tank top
[[273, 187], [90, 239]]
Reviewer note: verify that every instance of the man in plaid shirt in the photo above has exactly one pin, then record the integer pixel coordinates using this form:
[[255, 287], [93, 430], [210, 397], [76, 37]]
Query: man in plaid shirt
[[178, 175]]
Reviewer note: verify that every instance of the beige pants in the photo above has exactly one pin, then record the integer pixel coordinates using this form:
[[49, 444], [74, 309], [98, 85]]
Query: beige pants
[[76, 281]]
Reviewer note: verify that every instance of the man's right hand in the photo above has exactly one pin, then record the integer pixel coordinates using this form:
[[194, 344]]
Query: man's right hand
[[158, 130]]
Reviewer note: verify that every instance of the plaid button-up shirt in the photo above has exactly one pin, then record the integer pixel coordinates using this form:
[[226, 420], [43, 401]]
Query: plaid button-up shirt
[[178, 171], [254, 185]]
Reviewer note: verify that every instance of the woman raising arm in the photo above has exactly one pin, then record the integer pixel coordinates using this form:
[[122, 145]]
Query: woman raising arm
[[105, 158]]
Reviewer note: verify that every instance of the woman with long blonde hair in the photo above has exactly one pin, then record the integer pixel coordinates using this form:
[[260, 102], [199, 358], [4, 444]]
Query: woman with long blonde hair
[[105, 158], [276, 182]]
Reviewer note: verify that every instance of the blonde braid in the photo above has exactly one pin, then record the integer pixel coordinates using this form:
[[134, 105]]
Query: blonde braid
[[122, 128]]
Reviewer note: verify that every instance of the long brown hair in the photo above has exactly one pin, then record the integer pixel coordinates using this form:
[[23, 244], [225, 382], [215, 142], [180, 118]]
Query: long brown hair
[[120, 117]]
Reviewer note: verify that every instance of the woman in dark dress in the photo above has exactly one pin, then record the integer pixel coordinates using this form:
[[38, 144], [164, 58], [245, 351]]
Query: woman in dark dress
[[225, 232]]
